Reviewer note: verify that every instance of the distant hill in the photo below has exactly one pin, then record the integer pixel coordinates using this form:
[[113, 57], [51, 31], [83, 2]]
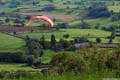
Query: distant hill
[[70, 8]]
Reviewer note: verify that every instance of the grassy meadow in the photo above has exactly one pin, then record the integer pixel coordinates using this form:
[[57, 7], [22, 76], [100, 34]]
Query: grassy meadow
[[15, 67], [104, 22], [11, 44], [73, 33], [114, 8]]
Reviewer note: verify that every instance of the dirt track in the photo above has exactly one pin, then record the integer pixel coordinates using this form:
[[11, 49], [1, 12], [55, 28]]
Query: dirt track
[[59, 16]]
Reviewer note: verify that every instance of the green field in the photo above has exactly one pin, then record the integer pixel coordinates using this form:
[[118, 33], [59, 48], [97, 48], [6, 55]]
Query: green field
[[48, 54], [61, 7], [73, 33], [11, 44], [114, 8], [104, 22], [15, 67]]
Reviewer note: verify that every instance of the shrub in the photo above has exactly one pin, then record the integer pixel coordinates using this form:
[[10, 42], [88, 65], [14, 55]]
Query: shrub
[[88, 60], [17, 57], [68, 62]]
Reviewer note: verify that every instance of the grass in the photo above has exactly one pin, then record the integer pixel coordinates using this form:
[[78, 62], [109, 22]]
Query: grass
[[114, 8], [10, 43], [71, 32], [46, 58], [74, 33], [106, 22], [65, 76], [15, 67]]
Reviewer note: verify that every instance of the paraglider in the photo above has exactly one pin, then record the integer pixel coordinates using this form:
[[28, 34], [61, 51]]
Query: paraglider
[[43, 18]]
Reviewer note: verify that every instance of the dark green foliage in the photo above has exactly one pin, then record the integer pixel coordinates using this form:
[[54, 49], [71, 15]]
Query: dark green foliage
[[49, 7], [63, 25], [30, 59], [7, 20], [50, 0], [89, 60], [14, 4], [64, 43], [113, 34], [81, 39], [34, 47], [29, 44], [66, 36], [43, 42], [53, 40], [14, 74], [84, 25], [98, 11], [17, 57], [27, 17], [115, 17], [97, 26], [35, 3], [98, 40]]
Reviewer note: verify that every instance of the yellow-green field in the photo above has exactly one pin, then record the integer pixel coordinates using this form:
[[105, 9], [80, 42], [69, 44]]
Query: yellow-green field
[[114, 8], [11, 44], [104, 22], [15, 67], [73, 33]]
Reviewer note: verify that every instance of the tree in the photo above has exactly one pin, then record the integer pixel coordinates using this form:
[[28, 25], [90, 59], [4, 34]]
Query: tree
[[50, 0], [98, 40], [98, 10], [37, 49], [63, 25], [17, 21], [27, 17], [14, 3], [42, 42], [49, 8], [112, 36], [64, 43], [115, 17], [110, 40], [113, 31], [29, 45], [7, 20], [97, 26], [83, 39], [34, 47], [30, 59], [66, 36], [53, 40], [84, 25]]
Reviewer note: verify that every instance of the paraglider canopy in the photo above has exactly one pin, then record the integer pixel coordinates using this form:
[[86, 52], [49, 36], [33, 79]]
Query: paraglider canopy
[[43, 18]]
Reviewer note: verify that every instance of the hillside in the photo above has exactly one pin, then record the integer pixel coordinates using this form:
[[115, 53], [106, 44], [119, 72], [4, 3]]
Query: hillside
[[59, 39], [11, 44], [61, 10]]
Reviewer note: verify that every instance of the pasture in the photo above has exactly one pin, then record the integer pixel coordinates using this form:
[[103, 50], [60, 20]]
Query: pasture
[[73, 33], [104, 22], [11, 44], [47, 56], [114, 8], [15, 67]]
